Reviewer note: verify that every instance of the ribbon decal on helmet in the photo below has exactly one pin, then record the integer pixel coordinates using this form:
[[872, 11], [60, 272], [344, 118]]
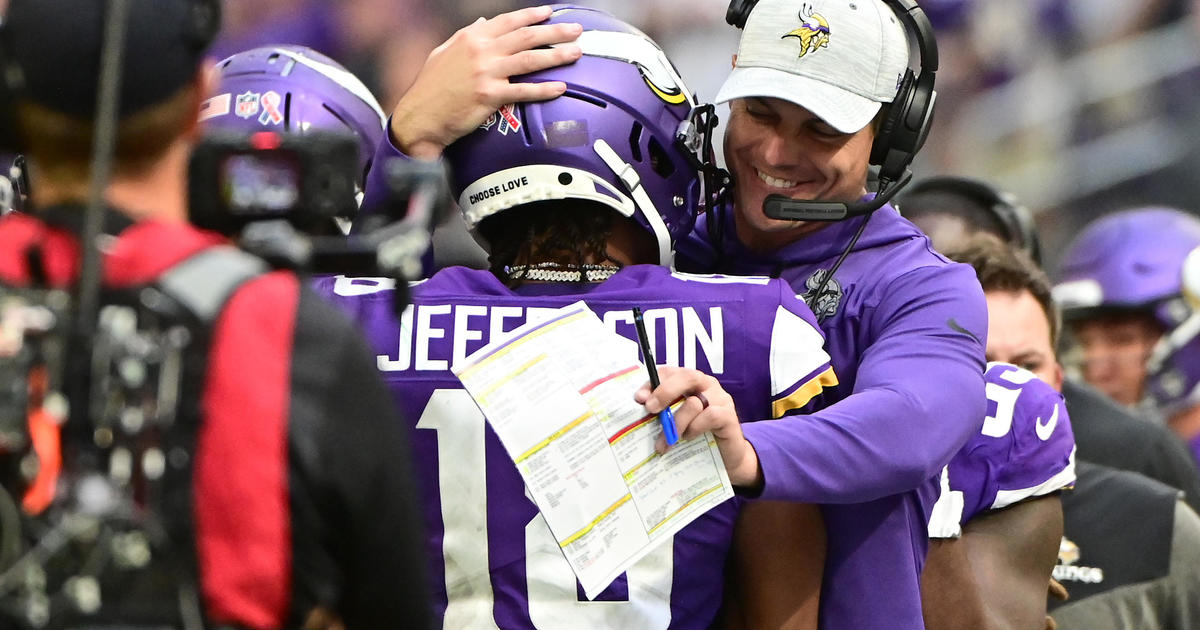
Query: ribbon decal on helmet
[[509, 120], [270, 108]]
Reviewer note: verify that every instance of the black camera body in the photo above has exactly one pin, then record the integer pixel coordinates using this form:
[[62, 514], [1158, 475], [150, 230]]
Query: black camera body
[[308, 180]]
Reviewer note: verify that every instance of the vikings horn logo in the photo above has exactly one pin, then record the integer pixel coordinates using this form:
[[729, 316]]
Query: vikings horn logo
[[641, 51], [1068, 552], [813, 32], [826, 304]]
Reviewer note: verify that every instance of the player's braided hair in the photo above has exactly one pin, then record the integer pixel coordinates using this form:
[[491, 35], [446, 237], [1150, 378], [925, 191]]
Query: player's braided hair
[[570, 232]]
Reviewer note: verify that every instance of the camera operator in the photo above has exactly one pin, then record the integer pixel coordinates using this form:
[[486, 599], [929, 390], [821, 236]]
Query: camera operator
[[299, 512]]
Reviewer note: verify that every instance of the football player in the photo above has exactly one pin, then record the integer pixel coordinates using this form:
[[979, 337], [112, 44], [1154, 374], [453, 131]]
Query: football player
[[952, 209], [999, 507], [1122, 293], [1113, 518], [999, 493]]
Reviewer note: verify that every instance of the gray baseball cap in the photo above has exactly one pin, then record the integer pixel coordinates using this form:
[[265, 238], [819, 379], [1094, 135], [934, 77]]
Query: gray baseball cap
[[839, 59]]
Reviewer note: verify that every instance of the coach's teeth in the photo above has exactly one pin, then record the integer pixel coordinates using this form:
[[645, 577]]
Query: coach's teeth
[[775, 182]]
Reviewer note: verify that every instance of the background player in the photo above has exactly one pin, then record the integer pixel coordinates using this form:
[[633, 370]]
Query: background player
[[1001, 493], [952, 210], [1121, 290], [1129, 544]]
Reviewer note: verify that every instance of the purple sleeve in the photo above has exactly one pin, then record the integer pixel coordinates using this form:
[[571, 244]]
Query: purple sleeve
[[375, 190], [1026, 448], [918, 397], [1041, 459]]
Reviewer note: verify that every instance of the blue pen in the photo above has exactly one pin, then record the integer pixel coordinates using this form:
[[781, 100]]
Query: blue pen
[[665, 416]]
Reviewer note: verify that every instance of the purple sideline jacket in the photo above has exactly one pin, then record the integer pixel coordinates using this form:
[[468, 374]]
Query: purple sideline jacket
[[1025, 450], [906, 329]]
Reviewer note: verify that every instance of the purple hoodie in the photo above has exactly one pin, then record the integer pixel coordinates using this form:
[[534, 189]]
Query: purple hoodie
[[905, 328]]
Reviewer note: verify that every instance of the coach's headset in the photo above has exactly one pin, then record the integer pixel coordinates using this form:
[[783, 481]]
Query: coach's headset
[[203, 24], [901, 135], [1015, 219]]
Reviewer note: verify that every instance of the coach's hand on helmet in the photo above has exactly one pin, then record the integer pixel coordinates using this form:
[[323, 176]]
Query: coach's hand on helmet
[[706, 407], [466, 79]]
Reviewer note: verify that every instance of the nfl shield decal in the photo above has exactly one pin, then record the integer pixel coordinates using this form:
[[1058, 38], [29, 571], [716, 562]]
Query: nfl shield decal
[[490, 122], [247, 104]]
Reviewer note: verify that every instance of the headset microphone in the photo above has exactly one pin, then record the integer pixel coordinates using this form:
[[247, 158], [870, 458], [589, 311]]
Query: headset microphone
[[780, 207]]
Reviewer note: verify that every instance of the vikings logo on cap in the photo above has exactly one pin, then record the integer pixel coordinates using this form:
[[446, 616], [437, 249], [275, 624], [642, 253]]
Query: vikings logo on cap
[[813, 32]]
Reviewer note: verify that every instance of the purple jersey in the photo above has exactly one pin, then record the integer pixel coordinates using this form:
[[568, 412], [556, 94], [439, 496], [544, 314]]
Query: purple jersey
[[905, 328], [1025, 450], [494, 560]]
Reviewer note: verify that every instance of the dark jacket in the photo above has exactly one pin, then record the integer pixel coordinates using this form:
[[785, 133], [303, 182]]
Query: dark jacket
[[1109, 434], [302, 496]]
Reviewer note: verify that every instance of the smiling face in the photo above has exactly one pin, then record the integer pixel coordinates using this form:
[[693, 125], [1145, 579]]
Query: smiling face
[[776, 147]]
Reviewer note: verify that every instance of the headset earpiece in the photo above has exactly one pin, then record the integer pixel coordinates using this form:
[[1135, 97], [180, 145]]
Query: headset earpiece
[[738, 12], [887, 151], [1003, 207], [907, 123]]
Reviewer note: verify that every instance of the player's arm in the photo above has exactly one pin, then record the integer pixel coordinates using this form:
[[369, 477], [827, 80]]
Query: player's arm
[[950, 597], [1012, 553], [994, 576], [918, 397], [466, 79], [774, 574]]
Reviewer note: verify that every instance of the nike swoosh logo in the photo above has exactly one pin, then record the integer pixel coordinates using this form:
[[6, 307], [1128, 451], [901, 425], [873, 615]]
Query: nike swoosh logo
[[1045, 430], [954, 325]]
